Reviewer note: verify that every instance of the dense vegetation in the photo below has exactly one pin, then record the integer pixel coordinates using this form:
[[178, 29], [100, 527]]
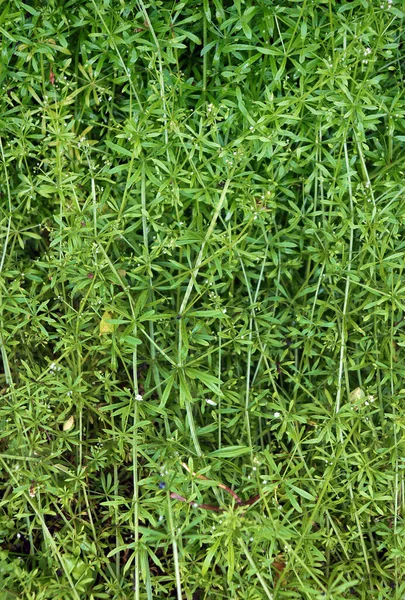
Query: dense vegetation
[[202, 301]]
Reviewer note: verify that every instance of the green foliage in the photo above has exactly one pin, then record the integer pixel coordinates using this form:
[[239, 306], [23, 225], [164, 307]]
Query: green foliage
[[202, 300]]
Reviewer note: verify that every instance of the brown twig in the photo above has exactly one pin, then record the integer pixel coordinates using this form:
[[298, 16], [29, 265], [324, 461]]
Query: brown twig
[[221, 485], [212, 507]]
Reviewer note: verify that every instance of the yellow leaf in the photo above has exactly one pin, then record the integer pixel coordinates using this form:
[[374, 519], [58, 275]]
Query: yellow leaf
[[356, 397], [69, 423], [104, 326]]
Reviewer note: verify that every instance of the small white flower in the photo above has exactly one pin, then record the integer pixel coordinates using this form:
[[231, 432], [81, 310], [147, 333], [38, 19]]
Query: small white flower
[[277, 415], [209, 401], [138, 397]]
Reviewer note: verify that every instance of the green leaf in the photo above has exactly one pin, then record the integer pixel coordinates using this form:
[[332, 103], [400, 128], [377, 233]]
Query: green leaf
[[212, 312], [231, 561], [210, 555], [230, 452], [118, 149], [302, 492], [167, 390], [130, 340], [293, 501], [210, 381]]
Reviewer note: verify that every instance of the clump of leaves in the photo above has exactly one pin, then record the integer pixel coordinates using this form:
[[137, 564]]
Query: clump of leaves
[[201, 300]]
